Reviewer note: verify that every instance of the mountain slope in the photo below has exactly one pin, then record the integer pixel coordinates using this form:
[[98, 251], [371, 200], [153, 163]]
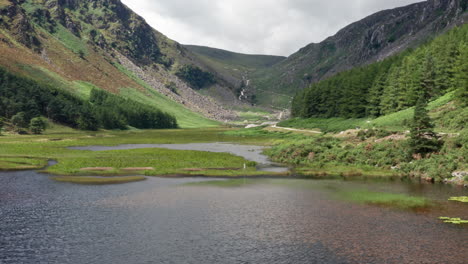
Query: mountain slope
[[371, 39], [234, 67], [78, 45], [397, 84], [233, 59]]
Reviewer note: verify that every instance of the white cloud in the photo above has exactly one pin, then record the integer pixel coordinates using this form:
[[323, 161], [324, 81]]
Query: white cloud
[[277, 27]]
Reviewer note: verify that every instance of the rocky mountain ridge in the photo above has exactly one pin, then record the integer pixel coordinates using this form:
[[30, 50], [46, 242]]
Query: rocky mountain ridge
[[371, 39]]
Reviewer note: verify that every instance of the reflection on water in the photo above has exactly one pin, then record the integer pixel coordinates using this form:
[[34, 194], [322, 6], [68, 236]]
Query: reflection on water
[[270, 221]]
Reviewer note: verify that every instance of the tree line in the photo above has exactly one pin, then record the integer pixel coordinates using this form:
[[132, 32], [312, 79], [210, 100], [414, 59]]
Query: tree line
[[393, 84], [27, 99]]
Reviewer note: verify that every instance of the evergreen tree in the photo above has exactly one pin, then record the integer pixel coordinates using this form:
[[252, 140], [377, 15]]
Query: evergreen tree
[[37, 125], [423, 139], [375, 96], [461, 75], [428, 84]]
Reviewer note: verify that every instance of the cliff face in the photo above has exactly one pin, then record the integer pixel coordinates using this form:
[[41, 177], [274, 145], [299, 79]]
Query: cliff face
[[371, 39], [101, 42]]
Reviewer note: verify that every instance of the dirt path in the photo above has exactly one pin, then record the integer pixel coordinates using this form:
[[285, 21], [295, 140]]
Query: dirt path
[[296, 130]]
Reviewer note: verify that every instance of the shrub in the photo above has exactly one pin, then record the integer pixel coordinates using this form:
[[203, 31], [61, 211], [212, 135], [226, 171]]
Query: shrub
[[2, 123], [19, 120]]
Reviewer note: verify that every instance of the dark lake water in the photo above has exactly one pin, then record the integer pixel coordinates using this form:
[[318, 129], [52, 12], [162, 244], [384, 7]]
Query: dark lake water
[[271, 221]]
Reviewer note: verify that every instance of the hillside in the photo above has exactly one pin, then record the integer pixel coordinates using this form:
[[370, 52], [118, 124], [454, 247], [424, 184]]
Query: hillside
[[372, 39], [235, 61], [394, 84], [81, 45], [234, 67]]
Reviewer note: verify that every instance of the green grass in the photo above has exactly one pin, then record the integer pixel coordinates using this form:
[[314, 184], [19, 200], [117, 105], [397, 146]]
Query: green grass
[[21, 163], [261, 132], [69, 40], [53, 145], [337, 170], [236, 59], [98, 181], [164, 161], [461, 199], [324, 124], [453, 220], [400, 201], [80, 88], [185, 117]]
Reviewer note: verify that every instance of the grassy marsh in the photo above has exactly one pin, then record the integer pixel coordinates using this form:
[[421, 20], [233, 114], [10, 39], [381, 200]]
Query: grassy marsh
[[53, 145], [21, 163]]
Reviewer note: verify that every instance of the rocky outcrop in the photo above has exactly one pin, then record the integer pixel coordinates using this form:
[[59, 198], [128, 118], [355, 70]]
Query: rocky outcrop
[[15, 20], [182, 94], [458, 178]]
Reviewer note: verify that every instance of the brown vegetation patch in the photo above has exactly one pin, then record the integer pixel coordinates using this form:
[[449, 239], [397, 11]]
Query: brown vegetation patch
[[205, 169], [97, 169], [138, 169], [94, 68], [193, 169]]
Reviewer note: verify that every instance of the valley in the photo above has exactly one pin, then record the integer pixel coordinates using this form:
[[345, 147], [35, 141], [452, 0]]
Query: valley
[[121, 145]]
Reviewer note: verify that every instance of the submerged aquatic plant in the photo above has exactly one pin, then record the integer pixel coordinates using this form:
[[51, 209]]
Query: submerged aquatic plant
[[401, 201], [455, 221], [463, 199]]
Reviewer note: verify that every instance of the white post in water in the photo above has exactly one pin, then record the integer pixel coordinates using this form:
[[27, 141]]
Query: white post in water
[[245, 167]]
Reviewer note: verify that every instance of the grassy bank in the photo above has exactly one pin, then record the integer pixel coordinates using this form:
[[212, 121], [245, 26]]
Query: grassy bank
[[375, 153]]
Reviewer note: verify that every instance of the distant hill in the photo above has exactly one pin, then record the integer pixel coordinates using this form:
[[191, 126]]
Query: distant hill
[[372, 39], [233, 59]]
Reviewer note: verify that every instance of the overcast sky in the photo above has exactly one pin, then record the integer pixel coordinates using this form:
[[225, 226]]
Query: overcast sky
[[277, 27]]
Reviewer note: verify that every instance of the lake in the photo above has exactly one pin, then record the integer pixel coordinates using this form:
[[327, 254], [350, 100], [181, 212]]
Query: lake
[[165, 220]]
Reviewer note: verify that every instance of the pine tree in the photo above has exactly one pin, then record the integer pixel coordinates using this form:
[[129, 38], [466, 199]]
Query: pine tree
[[428, 84], [461, 75], [37, 125], [423, 138]]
